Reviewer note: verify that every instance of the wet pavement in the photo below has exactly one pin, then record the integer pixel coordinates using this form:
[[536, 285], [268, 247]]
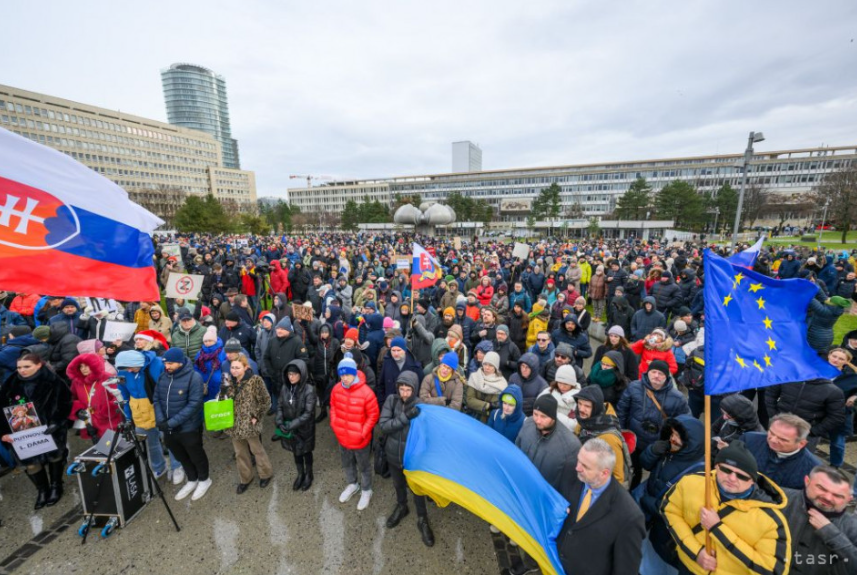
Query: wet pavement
[[272, 530]]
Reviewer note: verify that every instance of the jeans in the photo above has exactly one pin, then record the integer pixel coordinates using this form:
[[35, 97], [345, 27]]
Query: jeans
[[187, 447], [354, 459], [837, 440], [156, 451]]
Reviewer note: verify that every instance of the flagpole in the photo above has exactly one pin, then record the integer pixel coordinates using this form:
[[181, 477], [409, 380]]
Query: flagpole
[[709, 548]]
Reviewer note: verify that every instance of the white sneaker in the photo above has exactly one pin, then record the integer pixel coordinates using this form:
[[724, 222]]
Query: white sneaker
[[201, 489], [349, 492], [186, 490], [178, 476], [365, 497]]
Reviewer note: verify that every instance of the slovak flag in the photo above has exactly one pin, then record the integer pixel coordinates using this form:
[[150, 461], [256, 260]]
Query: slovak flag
[[425, 271], [748, 257], [66, 229]]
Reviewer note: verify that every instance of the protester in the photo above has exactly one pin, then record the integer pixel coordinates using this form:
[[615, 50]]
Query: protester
[[549, 445], [508, 419], [250, 403], [781, 453], [443, 386], [563, 388], [484, 387], [93, 408], [597, 419], [296, 421]]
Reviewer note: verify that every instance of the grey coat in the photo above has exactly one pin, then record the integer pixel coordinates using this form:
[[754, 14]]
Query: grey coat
[[554, 454], [838, 539]]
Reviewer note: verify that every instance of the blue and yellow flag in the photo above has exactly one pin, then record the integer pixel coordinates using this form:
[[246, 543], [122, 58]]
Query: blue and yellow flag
[[451, 457], [755, 329]]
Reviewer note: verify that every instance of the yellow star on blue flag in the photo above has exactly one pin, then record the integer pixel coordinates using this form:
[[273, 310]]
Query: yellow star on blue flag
[[751, 341]]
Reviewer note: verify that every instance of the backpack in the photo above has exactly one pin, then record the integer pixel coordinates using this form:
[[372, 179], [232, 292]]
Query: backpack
[[693, 376]]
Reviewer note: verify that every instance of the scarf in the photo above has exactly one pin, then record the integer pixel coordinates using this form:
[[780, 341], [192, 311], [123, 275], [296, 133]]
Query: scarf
[[597, 424], [212, 355], [488, 384]]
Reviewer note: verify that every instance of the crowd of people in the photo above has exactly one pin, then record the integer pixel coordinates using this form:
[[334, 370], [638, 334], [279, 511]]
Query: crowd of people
[[585, 355]]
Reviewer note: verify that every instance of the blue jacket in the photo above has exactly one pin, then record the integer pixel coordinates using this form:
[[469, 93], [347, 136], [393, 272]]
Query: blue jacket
[[10, 353], [375, 336], [635, 407], [254, 367], [523, 297], [386, 385], [544, 357], [178, 399], [10, 318], [828, 274], [135, 383], [511, 425], [788, 472], [788, 269], [577, 339]]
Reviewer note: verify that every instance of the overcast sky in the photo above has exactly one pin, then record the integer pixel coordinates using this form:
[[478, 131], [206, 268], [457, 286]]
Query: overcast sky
[[361, 89]]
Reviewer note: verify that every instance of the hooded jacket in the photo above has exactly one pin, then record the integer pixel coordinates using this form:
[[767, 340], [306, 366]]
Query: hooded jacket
[[744, 418], [508, 426], [532, 386], [281, 352], [620, 312], [63, 346], [603, 424], [637, 412], [644, 322], [394, 424], [390, 374], [139, 390], [663, 470], [648, 354], [752, 536], [88, 393], [577, 338], [178, 399], [353, 413], [822, 318], [539, 321], [190, 342], [438, 347], [296, 410], [323, 369]]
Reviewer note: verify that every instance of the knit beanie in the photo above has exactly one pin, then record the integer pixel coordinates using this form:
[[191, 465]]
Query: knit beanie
[[232, 316], [270, 317], [450, 359], [546, 404], [232, 345], [388, 323], [492, 358], [210, 334], [398, 342], [286, 324], [130, 359], [738, 456], [503, 328], [174, 355], [616, 330], [353, 334], [347, 367], [450, 311], [680, 325], [424, 303], [566, 374], [659, 365], [42, 332]]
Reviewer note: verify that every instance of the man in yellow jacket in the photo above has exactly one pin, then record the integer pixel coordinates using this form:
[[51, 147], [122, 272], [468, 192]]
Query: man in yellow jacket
[[748, 529]]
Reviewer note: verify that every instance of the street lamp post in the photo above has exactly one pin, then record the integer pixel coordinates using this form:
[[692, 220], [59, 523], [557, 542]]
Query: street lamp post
[[755, 137], [716, 215], [823, 218]]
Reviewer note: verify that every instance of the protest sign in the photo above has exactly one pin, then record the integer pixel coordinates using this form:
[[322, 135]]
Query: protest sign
[[32, 442], [521, 251], [119, 330], [403, 262], [456, 242], [300, 312], [185, 286]]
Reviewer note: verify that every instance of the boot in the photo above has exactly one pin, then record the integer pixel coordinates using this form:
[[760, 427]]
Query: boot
[[425, 531], [399, 513], [300, 478], [307, 480], [40, 480], [322, 415], [56, 470]]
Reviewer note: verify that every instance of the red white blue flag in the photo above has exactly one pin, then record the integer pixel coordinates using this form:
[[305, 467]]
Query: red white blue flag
[[66, 229], [425, 271]]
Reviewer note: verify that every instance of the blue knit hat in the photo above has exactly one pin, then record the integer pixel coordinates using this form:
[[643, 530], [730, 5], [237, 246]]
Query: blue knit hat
[[450, 358], [130, 359], [286, 324], [174, 355], [347, 366], [399, 342]]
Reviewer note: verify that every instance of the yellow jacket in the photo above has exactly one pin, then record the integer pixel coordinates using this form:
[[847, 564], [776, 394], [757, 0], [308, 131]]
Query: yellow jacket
[[752, 536], [586, 270], [538, 322]]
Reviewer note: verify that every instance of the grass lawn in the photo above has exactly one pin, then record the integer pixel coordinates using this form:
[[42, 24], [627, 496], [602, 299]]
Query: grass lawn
[[829, 239]]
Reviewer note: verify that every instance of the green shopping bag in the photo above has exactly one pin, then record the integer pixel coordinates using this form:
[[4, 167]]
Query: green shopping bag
[[219, 415]]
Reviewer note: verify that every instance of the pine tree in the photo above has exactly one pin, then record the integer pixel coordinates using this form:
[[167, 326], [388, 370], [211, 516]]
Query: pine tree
[[634, 203]]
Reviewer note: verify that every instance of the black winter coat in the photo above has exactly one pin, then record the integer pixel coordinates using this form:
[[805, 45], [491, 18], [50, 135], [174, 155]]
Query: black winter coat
[[509, 357], [281, 352], [63, 347], [668, 296], [818, 401], [296, 405], [51, 399], [608, 540], [632, 362], [395, 424]]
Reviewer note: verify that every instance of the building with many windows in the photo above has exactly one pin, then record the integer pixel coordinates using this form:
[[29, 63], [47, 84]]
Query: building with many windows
[[466, 157], [592, 189], [196, 99], [158, 164]]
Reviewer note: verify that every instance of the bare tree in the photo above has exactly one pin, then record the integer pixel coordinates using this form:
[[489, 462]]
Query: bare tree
[[755, 198], [839, 190]]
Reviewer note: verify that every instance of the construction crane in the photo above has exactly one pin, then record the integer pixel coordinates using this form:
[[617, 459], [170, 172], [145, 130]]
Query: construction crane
[[310, 178]]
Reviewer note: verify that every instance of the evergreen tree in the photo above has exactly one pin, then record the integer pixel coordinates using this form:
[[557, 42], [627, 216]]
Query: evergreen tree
[[634, 203], [680, 202], [350, 216]]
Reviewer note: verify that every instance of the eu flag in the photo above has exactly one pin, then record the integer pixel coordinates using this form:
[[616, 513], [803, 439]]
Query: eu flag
[[755, 329]]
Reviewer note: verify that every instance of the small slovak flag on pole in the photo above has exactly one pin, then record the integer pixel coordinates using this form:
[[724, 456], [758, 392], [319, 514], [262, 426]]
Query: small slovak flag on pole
[[425, 270]]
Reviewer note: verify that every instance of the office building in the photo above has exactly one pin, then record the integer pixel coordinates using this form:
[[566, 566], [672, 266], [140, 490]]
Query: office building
[[196, 99], [592, 189], [158, 164], [466, 157]]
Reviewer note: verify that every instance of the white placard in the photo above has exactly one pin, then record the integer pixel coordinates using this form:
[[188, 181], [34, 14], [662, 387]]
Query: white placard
[[119, 330], [521, 251], [185, 286], [403, 262], [32, 442]]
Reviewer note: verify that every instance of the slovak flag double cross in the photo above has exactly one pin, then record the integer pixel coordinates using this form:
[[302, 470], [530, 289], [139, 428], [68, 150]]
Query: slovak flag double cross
[[425, 270]]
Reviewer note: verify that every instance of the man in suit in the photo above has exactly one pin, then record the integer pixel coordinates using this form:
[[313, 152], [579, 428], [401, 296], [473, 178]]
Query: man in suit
[[604, 530]]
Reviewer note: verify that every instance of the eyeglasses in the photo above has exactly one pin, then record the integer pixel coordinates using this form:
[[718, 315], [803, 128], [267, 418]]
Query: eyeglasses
[[737, 474], [542, 339], [560, 356]]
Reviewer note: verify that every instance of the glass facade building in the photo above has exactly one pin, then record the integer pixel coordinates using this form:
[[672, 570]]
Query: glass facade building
[[196, 99]]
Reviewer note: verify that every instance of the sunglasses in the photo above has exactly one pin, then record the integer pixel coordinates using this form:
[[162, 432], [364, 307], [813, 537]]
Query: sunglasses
[[542, 339], [737, 474], [561, 355]]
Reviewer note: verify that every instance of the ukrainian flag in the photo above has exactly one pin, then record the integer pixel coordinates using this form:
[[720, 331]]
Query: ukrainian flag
[[451, 457]]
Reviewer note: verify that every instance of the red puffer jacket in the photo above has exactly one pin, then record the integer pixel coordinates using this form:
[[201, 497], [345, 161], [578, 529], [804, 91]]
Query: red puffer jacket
[[353, 413], [88, 393]]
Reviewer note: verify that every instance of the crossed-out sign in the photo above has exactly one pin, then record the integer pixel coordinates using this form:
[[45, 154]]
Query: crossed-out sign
[[185, 286]]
